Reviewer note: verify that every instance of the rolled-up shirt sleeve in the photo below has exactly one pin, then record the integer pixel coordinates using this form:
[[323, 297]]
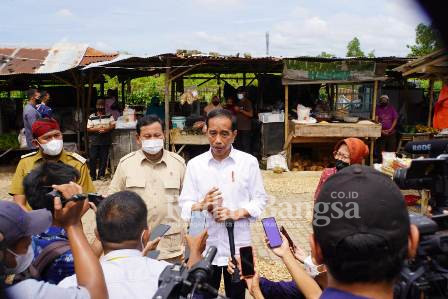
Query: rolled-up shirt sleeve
[[189, 195], [258, 198], [34, 289]]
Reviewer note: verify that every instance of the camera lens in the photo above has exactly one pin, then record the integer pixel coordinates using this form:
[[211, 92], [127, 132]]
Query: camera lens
[[400, 177]]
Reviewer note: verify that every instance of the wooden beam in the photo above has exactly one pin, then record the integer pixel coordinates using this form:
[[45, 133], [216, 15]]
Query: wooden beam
[[431, 100], [167, 104], [286, 112], [375, 96], [184, 72], [421, 67], [123, 97], [64, 81], [89, 101]]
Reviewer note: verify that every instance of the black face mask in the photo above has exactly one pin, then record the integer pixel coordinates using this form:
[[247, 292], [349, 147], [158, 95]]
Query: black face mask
[[341, 164]]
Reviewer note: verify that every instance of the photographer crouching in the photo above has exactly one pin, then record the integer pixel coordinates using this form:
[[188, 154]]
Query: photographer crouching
[[16, 254]]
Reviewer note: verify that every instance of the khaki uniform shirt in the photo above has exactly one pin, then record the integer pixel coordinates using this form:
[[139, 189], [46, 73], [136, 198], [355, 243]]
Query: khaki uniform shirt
[[159, 184], [34, 159]]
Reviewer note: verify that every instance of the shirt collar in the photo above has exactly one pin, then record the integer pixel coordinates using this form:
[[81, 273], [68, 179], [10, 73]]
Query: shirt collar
[[120, 253], [62, 156], [142, 157], [231, 157]]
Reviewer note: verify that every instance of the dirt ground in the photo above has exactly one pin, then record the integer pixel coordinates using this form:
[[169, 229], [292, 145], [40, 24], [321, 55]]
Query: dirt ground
[[290, 201]]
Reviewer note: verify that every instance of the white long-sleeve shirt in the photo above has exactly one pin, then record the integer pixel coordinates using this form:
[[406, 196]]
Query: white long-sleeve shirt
[[238, 177]]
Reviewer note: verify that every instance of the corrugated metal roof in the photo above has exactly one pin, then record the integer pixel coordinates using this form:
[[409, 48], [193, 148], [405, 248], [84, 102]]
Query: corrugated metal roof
[[93, 56], [59, 58]]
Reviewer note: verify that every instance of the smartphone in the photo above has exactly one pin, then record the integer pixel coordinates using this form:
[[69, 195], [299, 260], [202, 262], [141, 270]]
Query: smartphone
[[291, 243], [159, 231], [272, 233], [247, 261], [197, 223]]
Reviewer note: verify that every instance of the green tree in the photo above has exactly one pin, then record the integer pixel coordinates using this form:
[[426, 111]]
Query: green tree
[[354, 48], [371, 54], [324, 54], [427, 40]]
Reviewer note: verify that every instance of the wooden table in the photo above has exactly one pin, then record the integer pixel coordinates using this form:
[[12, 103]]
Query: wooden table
[[184, 140], [332, 132]]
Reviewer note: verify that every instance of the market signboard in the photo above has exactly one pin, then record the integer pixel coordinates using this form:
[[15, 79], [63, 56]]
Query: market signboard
[[308, 72]]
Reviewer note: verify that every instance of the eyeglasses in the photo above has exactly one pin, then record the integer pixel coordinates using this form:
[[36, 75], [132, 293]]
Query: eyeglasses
[[341, 156]]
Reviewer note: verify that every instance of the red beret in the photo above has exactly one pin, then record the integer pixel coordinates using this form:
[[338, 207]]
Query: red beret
[[44, 125]]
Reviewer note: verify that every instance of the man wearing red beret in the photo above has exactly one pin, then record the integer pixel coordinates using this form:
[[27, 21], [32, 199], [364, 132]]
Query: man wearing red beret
[[47, 137]]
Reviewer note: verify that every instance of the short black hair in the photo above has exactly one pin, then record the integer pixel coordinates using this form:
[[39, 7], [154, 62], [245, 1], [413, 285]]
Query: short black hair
[[30, 92], [222, 113], [38, 183], [364, 258], [148, 120], [121, 217]]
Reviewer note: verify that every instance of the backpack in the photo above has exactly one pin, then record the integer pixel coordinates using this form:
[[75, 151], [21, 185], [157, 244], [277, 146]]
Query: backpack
[[46, 256]]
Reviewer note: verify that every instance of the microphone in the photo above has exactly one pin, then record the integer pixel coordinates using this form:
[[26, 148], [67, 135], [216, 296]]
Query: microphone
[[431, 147], [229, 225]]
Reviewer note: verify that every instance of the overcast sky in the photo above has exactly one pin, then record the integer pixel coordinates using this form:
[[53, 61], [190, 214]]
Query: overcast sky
[[296, 28]]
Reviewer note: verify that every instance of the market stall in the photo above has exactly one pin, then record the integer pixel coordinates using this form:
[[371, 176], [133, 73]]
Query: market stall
[[179, 67], [432, 67], [344, 117]]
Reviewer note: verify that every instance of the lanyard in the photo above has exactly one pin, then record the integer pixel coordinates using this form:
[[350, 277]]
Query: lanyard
[[116, 258]]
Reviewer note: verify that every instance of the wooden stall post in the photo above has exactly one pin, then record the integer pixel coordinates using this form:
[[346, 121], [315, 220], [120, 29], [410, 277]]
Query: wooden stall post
[[102, 89], [431, 100], [372, 141], [167, 104], [287, 146], [375, 96], [89, 101], [123, 98]]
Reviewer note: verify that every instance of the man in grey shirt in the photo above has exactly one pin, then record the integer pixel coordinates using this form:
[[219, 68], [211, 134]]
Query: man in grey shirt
[[30, 114], [16, 252]]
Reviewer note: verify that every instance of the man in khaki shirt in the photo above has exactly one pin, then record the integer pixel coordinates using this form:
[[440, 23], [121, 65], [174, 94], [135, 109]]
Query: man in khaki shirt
[[157, 176], [48, 139]]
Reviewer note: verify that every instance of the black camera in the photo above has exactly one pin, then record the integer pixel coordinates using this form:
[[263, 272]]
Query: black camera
[[427, 275], [95, 198], [176, 281]]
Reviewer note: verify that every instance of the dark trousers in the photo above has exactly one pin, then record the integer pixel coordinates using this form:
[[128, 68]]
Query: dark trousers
[[243, 140], [233, 290], [386, 143], [101, 153]]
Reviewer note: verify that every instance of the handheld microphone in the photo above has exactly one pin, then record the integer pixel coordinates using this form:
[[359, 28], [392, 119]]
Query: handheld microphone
[[230, 225], [431, 147]]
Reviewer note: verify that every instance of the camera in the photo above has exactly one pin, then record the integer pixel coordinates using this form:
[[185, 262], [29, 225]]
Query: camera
[[427, 275], [95, 198], [177, 281]]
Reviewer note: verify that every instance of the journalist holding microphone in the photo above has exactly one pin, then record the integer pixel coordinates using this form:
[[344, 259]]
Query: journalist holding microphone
[[225, 184]]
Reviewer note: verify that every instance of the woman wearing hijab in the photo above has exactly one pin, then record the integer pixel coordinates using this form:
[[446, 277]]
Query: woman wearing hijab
[[347, 152]]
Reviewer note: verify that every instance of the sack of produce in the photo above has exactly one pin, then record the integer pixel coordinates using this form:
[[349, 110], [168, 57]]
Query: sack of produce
[[22, 139], [277, 163]]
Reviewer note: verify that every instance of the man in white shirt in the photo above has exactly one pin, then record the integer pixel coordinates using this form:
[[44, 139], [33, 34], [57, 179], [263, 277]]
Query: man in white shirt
[[123, 232], [225, 183]]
